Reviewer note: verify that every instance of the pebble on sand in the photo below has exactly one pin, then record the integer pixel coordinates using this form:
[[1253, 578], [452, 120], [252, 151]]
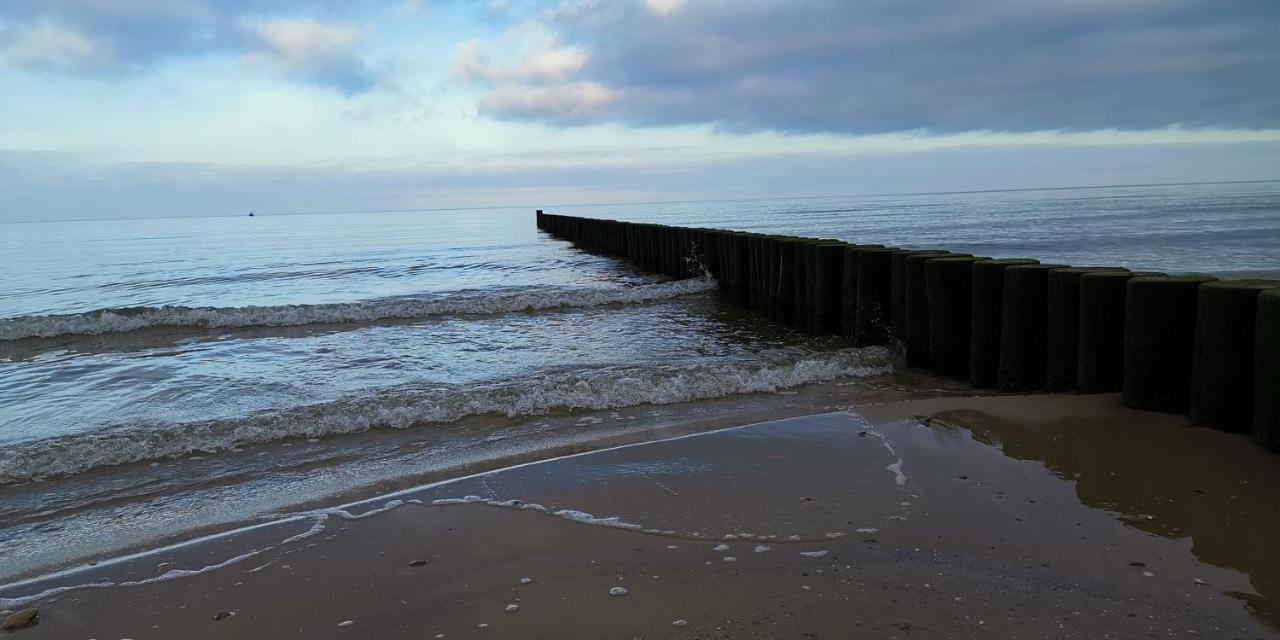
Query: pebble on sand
[[21, 619], [730, 559], [526, 580], [512, 608], [223, 615], [346, 623], [618, 591], [680, 623], [418, 563], [720, 547]]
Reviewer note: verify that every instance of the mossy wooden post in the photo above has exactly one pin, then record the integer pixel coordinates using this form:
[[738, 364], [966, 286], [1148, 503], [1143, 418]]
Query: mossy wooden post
[[800, 286], [741, 270], [786, 280], [1266, 371], [872, 322], [1100, 352], [1159, 337], [898, 290], [1062, 343], [1222, 377], [849, 287], [917, 308], [949, 282], [985, 319], [1023, 327], [830, 262], [771, 275]]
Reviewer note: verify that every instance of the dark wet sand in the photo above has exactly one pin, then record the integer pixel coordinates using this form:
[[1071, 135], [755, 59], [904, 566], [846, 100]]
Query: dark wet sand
[[1024, 516]]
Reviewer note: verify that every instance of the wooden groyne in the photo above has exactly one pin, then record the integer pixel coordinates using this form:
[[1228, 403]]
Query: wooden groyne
[[1187, 344]]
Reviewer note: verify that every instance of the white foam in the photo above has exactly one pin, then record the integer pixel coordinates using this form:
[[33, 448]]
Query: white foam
[[898, 476], [123, 320], [592, 389]]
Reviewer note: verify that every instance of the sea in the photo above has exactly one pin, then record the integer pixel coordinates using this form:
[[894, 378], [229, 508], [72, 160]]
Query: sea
[[161, 378]]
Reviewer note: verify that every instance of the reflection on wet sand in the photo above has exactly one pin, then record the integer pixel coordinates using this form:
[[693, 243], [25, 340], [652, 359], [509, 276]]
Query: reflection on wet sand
[[1155, 473]]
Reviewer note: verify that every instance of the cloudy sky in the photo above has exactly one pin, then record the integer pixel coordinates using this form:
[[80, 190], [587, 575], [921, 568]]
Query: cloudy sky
[[140, 108]]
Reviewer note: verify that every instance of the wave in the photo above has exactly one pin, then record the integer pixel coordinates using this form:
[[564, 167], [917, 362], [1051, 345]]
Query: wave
[[592, 389], [122, 320]]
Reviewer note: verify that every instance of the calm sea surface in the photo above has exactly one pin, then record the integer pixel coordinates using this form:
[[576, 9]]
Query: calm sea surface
[[128, 344]]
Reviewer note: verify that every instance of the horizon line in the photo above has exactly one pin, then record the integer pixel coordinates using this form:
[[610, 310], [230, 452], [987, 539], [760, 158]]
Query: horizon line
[[656, 202]]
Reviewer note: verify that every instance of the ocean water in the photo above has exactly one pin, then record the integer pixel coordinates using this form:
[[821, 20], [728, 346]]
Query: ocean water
[[128, 345]]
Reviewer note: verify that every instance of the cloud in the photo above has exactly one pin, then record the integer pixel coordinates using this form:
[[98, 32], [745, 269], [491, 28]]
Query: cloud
[[664, 7], [872, 66], [565, 102], [312, 50], [114, 37], [528, 73], [49, 47]]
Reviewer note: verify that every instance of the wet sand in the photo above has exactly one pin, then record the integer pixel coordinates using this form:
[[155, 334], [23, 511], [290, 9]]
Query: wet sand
[[1026, 516]]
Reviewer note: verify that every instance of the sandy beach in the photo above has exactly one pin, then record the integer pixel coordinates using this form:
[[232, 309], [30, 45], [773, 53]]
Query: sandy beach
[[952, 517]]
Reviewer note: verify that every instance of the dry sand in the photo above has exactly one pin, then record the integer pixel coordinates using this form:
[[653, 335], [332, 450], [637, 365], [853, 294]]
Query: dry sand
[[1024, 516]]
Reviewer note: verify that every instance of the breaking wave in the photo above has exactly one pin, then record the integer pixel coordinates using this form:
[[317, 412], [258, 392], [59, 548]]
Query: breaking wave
[[592, 389], [127, 319]]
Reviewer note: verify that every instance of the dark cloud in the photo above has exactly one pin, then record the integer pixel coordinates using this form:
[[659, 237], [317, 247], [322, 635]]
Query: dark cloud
[[870, 66], [127, 36]]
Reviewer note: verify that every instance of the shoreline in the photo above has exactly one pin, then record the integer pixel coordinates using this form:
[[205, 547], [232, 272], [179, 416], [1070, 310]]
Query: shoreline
[[1001, 472], [305, 475]]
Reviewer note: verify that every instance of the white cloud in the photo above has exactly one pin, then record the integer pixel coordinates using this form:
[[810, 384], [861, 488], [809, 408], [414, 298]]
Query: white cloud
[[49, 47], [566, 100], [529, 52], [664, 8], [319, 52], [300, 41]]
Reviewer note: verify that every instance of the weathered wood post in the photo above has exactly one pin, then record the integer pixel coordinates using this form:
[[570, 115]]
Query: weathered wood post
[[986, 316], [1222, 379], [950, 287], [1023, 329], [1159, 337], [1266, 371]]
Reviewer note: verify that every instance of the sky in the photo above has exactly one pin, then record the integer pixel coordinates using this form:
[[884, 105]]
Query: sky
[[160, 108]]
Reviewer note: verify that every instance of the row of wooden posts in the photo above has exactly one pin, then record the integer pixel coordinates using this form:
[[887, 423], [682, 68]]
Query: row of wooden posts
[[1189, 344]]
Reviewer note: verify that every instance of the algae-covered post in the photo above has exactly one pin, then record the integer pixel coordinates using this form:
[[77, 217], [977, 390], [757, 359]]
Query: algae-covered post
[[1222, 363], [916, 308], [874, 280], [829, 285], [1062, 343], [1023, 329], [1159, 335], [1266, 370], [898, 290], [985, 319], [949, 285]]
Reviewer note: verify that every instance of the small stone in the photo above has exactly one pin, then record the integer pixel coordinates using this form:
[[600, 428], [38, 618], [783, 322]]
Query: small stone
[[346, 623], [21, 619], [483, 625], [223, 615], [526, 580], [618, 591], [730, 559], [418, 563], [680, 623], [1201, 583], [512, 608], [721, 547]]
